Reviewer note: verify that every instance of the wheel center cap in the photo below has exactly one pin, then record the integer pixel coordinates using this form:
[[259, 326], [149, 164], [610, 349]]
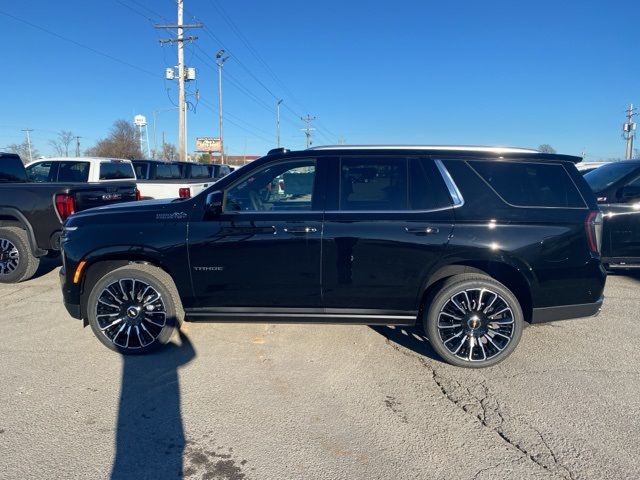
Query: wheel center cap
[[474, 322], [133, 311]]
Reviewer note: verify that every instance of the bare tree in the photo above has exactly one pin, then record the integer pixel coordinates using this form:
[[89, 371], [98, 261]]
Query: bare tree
[[169, 152], [22, 149], [62, 142], [546, 148], [123, 142]]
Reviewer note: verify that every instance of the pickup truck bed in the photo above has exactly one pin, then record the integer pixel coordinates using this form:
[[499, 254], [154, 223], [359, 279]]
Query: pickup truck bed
[[31, 214]]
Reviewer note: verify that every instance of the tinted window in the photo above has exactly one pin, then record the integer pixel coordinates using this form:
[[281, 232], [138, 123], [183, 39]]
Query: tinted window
[[199, 171], [602, 178], [39, 172], [278, 187], [116, 171], [73, 171], [11, 169], [530, 184], [427, 190], [141, 170], [167, 171], [373, 184]]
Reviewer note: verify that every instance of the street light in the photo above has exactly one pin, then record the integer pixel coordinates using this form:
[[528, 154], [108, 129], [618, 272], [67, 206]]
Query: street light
[[278, 122], [220, 59]]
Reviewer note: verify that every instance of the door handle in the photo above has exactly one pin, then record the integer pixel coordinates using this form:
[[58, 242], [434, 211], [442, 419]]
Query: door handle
[[300, 230], [421, 230]]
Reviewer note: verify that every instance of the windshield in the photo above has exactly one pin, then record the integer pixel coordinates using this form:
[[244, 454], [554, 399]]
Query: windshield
[[605, 176]]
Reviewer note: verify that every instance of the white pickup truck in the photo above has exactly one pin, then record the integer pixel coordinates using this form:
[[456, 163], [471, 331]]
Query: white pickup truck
[[158, 179], [80, 170]]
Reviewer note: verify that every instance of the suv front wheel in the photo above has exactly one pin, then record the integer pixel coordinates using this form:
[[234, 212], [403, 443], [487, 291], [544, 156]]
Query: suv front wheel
[[473, 321], [134, 309]]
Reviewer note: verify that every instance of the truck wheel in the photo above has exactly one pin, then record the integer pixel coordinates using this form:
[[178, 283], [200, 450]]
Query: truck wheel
[[473, 321], [17, 263], [134, 309]]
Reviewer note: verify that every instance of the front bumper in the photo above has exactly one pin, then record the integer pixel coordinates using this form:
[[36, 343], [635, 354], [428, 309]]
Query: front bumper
[[72, 307], [566, 312]]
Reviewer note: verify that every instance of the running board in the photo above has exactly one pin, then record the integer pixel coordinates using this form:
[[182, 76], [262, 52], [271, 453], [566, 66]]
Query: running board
[[267, 315]]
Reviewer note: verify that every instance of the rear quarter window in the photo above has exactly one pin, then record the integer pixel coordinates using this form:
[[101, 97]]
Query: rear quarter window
[[116, 171], [74, 172], [530, 184]]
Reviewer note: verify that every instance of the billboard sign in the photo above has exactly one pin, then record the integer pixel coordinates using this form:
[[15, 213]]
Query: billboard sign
[[207, 144]]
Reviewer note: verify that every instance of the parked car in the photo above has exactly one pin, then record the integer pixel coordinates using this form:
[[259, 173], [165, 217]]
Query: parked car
[[218, 171], [158, 179], [586, 167], [617, 190], [470, 242], [80, 170], [31, 214]]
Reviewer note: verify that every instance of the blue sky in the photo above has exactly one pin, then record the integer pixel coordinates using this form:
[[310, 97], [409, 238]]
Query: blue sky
[[469, 72]]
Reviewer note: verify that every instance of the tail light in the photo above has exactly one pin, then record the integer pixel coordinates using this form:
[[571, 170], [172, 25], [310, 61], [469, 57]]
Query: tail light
[[593, 228], [65, 205], [138, 196], [184, 192]]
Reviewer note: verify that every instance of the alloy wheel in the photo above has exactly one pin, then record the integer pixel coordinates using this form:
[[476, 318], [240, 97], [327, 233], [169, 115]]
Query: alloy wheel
[[131, 313], [476, 324], [9, 257]]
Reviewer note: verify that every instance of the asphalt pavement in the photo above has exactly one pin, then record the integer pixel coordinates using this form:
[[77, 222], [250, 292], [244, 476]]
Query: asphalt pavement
[[264, 401]]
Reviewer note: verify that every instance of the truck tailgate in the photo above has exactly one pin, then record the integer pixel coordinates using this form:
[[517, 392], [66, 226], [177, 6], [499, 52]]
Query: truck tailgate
[[92, 195]]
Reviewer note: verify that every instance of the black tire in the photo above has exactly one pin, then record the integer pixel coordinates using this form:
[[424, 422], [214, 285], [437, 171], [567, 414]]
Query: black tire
[[115, 297], [14, 241], [495, 334]]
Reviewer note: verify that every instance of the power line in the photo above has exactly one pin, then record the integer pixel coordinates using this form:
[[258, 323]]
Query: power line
[[78, 44]]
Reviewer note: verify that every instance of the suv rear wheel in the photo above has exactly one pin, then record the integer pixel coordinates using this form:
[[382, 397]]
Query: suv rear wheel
[[134, 309], [17, 263], [473, 321]]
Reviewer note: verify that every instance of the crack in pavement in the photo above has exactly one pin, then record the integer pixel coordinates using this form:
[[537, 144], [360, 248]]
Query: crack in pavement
[[482, 404]]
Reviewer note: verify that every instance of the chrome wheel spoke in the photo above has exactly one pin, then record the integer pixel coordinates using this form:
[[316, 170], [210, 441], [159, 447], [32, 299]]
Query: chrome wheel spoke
[[476, 324], [9, 257], [123, 317]]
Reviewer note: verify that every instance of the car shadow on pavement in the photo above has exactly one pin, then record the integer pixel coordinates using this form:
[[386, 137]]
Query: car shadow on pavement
[[47, 264], [150, 437], [412, 338]]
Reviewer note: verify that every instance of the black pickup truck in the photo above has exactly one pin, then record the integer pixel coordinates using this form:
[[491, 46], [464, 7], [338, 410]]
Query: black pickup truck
[[31, 215]]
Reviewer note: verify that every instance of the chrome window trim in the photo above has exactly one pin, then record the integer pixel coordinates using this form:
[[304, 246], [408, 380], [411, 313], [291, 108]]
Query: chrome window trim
[[453, 148], [456, 195]]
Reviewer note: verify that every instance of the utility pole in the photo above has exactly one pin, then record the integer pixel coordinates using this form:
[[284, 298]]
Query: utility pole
[[78, 145], [182, 75], [628, 131], [278, 122], [28, 131], [307, 129], [220, 59]]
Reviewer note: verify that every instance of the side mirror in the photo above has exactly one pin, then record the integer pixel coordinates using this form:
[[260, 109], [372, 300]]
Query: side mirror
[[214, 204]]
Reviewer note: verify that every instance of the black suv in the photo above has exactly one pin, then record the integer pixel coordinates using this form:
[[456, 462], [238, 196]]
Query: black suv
[[470, 242]]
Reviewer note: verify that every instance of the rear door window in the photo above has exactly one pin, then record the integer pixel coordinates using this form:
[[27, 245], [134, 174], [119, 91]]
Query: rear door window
[[530, 184], [199, 171], [167, 171], [373, 184], [116, 171], [427, 190], [74, 172]]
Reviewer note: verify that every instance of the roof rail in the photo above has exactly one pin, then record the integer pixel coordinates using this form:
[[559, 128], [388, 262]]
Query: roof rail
[[458, 148]]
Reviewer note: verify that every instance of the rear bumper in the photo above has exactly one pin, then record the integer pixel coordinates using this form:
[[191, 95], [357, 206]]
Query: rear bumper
[[566, 312]]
